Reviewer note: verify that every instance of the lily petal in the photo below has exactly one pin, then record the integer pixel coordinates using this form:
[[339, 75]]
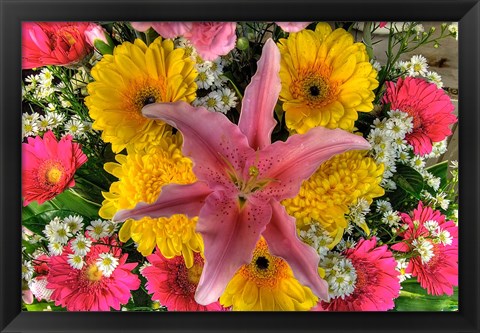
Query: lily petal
[[282, 240], [288, 164], [230, 234], [261, 95], [215, 144], [174, 199]]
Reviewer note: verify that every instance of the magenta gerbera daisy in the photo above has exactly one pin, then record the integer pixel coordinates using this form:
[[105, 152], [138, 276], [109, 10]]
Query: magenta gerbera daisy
[[104, 280], [173, 284], [49, 166], [433, 242], [429, 106], [376, 284]]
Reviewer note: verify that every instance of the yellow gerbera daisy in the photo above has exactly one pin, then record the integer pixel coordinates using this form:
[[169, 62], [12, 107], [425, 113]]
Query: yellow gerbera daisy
[[267, 284], [326, 79], [324, 198], [141, 174], [134, 76]]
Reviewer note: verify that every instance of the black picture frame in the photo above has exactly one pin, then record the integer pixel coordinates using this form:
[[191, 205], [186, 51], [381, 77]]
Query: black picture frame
[[13, 12]]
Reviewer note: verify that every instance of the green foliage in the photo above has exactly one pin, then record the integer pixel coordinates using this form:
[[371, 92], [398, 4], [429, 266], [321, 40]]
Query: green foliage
[[414, 298], [35, 216]]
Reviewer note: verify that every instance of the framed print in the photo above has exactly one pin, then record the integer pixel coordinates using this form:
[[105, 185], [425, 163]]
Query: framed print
[[306, 166]]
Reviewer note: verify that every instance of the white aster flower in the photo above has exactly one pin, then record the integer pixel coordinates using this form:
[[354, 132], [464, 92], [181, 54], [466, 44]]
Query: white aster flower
[[55, 249], [98, 229], [228, 98], [45, 78], [418, 66], [75, 127], [383, 206], [213, 102], [340, 275], [453, 28], [106, 263], [403, 66], [56, 119], [424, 248], [75, 261], [64, 102], [29, 128], [445, 238], [391, 218], [417, 162], [74, 222], [27, 270], [441, 201], [81, 245], [402, 265], [205, 78], [432, 227], [435, 78]]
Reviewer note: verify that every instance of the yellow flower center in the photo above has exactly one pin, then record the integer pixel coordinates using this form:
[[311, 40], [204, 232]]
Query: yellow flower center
[[93, 273], [142, 93], [265, 269], [194, 273], [50, 173], [54, 175]]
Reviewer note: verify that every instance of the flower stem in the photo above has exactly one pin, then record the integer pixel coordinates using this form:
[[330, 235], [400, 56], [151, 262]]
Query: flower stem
[[83, 198]]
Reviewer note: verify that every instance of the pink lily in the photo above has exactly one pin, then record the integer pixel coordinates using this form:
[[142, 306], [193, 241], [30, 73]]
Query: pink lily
[[242, 177]]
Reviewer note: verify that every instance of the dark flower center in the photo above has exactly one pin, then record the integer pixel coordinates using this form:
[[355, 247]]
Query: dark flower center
[[314, 91], [261, 263], [149, 100]]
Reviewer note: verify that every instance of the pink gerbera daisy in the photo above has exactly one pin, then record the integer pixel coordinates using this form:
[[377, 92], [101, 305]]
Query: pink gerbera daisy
[[92, 287], [49, 166], [376, 285], [434, 242], [173, 285], [429, 106]]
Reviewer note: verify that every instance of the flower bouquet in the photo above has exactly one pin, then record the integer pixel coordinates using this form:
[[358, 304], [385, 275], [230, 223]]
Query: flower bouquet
[[236, 166]]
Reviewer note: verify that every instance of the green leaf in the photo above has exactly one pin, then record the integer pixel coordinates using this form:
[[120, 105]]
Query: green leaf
[[440, 170], [409, 180], [35, 216], [42, 306], [102, 47], [415, 298]]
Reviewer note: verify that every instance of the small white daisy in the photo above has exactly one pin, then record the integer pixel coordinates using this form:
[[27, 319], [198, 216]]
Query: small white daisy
[[383, 206], [98, 229], [64, 102], [27, 270], [453, 29], [376, 65], [45, 78], [340, 275], [106, 263], [75, 127], [402, 265], [75, 261], [55, 249], [432, 227], [81, 245], [74, 222], [391, 218], [205, 78], [56, 119], [445, 238], [424, 248], [29, 128], [228, 98], [417, 162], [435, 78], [418, 66]]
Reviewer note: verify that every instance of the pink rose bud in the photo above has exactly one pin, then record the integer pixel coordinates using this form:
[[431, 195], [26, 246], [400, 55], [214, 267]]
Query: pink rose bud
[[95, 32]]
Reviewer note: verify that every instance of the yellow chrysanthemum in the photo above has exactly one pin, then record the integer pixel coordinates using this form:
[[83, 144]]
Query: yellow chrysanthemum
[[134, 76], [267, 284], [141, 174], [326, 79], [324, 198]]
